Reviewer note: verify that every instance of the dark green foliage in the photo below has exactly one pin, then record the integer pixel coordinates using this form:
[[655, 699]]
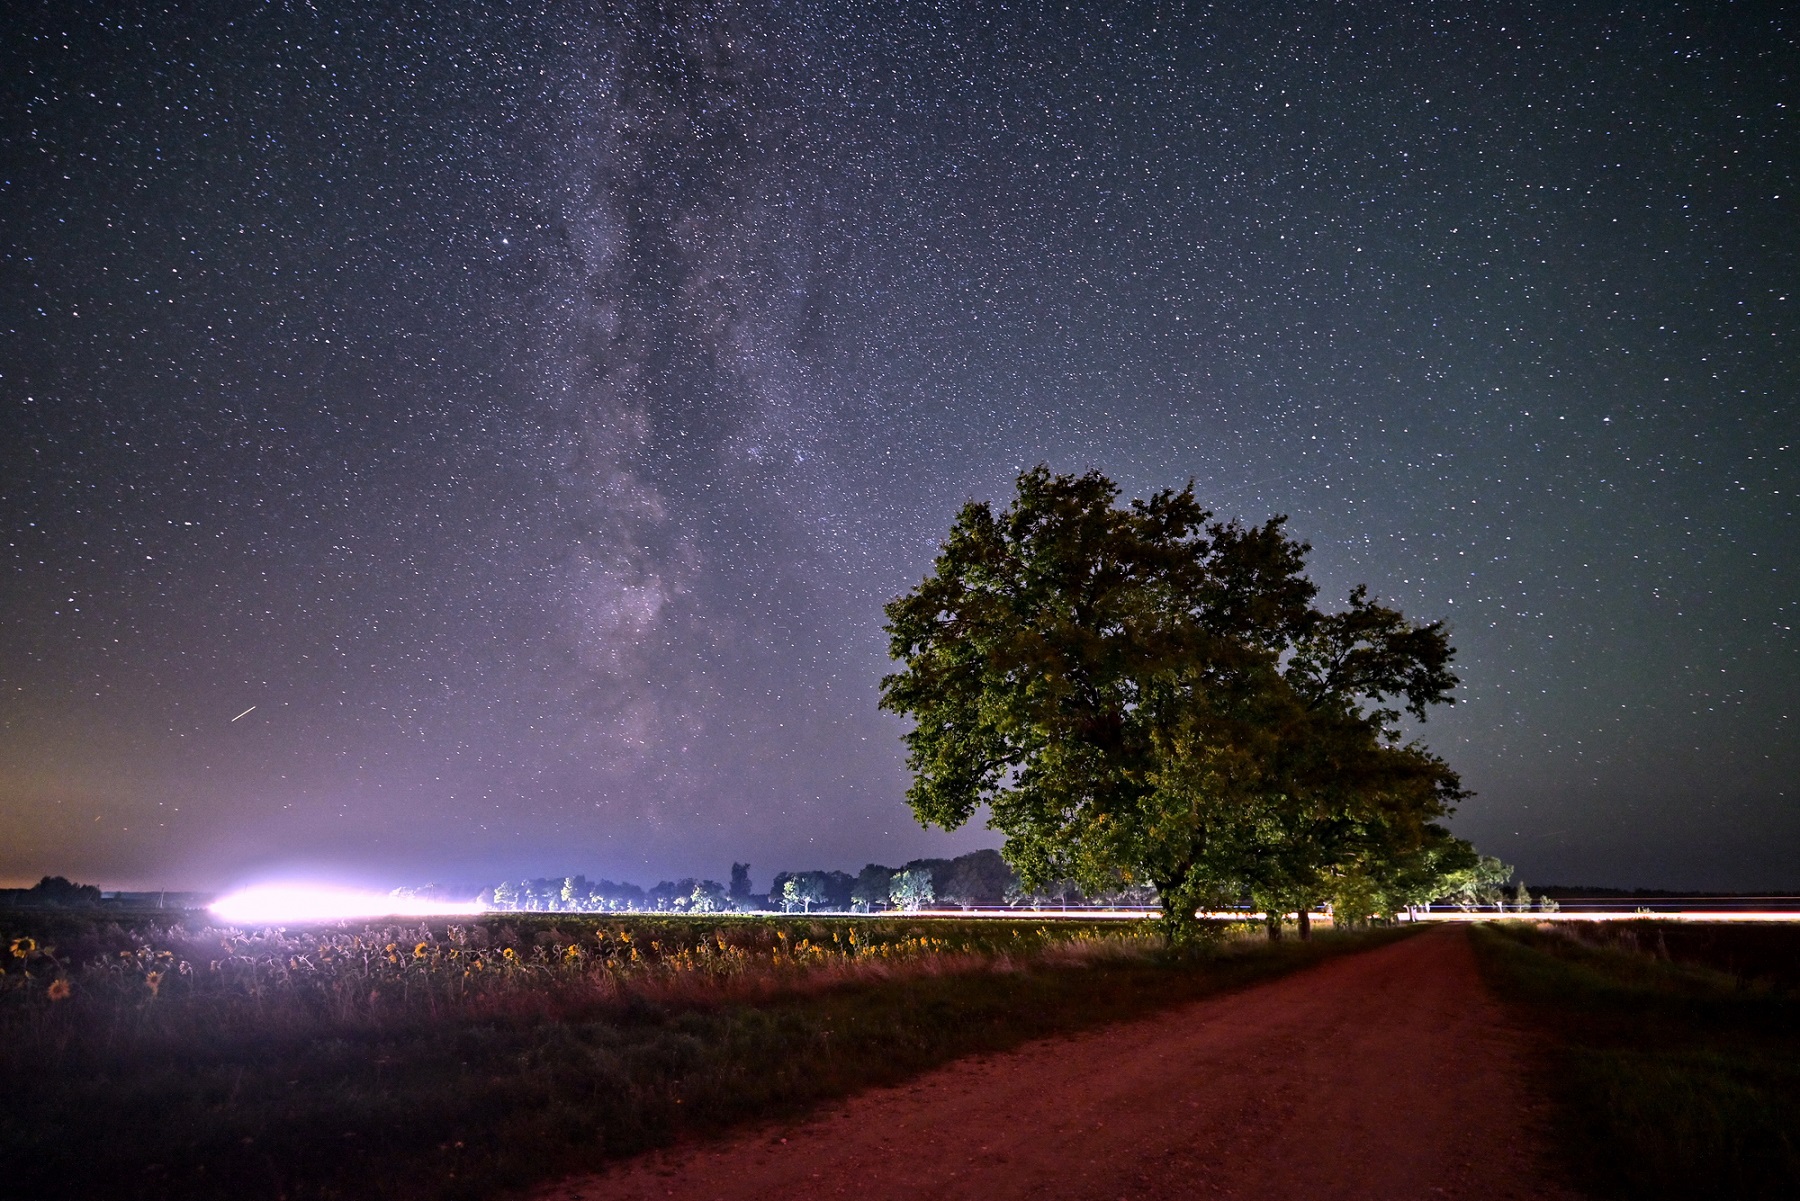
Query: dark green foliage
[[978, 878], [871, 889], [578, 894], [807, 891], [1438, 865], [1474, 880], [1677, 1073], [912, 888], [1140, 695], [59, 893]]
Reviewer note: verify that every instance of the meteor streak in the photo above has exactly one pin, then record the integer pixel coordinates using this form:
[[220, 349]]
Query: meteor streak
[[251, 709]]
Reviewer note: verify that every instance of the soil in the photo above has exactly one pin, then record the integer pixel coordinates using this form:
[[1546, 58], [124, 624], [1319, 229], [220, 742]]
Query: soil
[[1387, 1075]]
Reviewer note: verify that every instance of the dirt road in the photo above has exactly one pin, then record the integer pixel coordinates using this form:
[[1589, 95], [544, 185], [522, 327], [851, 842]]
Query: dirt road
[[1388, 1075]]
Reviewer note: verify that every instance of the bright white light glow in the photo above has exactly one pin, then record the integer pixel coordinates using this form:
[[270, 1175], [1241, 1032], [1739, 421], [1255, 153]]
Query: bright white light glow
[[267, 903]]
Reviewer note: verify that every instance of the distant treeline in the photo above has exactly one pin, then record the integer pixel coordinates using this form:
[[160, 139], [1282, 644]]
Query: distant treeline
[[978, 879], [56, 892], [52, 892]]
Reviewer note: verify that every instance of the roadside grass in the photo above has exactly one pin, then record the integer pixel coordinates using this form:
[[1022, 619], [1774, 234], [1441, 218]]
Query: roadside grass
[[1676, 1076], [265, 1079]]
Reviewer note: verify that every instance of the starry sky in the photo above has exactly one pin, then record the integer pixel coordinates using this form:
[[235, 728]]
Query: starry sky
[[519, 413]]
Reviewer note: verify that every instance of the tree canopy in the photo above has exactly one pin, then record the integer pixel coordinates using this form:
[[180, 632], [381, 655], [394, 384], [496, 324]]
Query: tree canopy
[[1141, 693], [63, 893]]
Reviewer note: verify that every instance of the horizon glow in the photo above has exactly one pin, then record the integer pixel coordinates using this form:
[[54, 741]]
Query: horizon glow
[[267, 903]]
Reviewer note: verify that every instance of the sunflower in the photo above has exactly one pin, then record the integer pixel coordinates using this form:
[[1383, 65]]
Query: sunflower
[[59, 989]]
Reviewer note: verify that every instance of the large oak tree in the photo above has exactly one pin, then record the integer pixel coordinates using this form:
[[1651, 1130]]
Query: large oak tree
[[1141, 693]]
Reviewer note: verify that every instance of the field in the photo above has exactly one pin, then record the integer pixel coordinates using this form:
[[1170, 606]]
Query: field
[[451, 1060], [1675, 1051]]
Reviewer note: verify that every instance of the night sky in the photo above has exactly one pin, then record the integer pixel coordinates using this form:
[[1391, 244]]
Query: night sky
[[528, 408]]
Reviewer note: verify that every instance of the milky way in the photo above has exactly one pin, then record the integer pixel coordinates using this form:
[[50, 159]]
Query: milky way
[[528, 409]]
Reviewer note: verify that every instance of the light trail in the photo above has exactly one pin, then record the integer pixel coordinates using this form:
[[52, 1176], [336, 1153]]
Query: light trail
[[265, 904], [1595, 915], [1323, 920], [1619, 913]]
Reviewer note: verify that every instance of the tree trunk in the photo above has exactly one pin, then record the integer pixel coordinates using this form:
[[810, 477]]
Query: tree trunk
[[1272, 922], [1178, 923], [1305, 924]]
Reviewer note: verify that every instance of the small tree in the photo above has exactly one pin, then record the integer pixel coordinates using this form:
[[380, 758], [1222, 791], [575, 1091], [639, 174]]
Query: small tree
[[802, 891], [871, 887], [740, 885], [835, 889], [1478, 884], [978, 878], [912, 890], [1422, 874], [708, 896], [1355, 898]]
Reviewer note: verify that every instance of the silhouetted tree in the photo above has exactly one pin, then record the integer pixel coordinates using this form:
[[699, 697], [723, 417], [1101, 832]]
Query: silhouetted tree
[[62, 893], [871, 888], [740, 885], [978, 878]]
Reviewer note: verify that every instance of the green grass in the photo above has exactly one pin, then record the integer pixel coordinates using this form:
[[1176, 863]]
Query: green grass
[[1674, 1076], [271, 1083]]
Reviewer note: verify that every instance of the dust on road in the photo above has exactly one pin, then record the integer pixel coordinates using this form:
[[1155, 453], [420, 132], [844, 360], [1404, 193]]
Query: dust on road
[[1385, 1076]]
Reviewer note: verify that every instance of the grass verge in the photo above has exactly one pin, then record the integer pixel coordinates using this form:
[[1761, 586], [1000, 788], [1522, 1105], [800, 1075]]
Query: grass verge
[[470, 1106], [1674, 1079]]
